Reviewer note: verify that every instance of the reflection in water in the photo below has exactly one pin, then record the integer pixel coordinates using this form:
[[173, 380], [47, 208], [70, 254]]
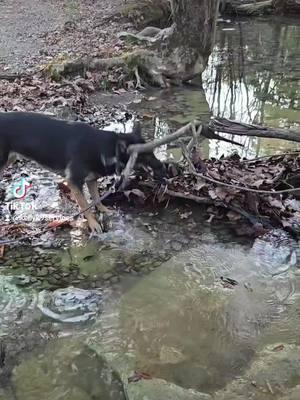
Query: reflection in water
[[251, 77]]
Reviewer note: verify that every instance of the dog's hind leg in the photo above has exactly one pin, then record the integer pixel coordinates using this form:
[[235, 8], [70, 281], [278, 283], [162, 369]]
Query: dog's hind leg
[[92, 186], [83, 204], [6, 159]]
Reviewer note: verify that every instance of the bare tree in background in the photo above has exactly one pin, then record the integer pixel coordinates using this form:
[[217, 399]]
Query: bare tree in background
[[190, 39]]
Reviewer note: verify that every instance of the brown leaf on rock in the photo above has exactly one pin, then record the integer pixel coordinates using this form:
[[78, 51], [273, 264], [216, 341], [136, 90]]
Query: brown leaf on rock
[[137, 376], [280, 347], [258, 183], [200, 185], [58, 224], [233, 216], [277, 203], [135, 194], [221, 192], [212, 193]]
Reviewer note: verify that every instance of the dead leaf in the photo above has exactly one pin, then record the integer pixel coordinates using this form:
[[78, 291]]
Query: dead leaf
[[275, 203], [137, 376], [58, 224], [210, 219], [221, 192], [200, 185], [212, 194], [186, 215], [136, 192], [258, 183], [233, 216], [280, 347]]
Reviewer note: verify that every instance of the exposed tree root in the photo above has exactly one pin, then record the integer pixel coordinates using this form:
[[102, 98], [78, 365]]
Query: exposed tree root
[[144, 62]]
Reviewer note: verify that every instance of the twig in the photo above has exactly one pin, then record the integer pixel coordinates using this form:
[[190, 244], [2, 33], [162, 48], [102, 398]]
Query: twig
[[12, 77], [254, 160], [245, 189], [187, 157], [269, 387], [172, 193]]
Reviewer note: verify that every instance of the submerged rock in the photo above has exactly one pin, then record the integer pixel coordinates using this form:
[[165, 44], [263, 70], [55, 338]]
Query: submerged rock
[[16, 305], [66, 369], [158, 389], [276, 252], [70, 304], [274, 368]]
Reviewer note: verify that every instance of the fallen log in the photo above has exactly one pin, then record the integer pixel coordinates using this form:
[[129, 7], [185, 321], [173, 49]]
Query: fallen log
[[237, 128]]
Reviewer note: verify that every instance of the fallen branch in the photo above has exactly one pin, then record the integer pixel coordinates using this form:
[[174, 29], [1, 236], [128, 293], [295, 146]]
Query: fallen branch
[[150, 146], [12, 77], [237, 128], [135, 149]]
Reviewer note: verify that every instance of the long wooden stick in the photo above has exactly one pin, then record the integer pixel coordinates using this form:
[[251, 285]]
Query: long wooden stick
[[135, 149], [150, 146]]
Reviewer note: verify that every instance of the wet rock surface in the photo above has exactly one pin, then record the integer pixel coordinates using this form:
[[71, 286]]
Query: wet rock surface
[[77, 373], [71, 304], [273, 372], [158, 389]]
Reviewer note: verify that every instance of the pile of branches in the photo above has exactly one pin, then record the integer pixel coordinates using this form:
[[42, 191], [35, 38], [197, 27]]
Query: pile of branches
[[262, 191]]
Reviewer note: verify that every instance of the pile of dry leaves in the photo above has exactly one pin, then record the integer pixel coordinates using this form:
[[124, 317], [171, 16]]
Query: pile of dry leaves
[[261, 191], [66, 99]]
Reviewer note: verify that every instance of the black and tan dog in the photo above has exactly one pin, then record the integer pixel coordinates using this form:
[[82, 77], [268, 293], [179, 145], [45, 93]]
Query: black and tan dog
[[74, 150]]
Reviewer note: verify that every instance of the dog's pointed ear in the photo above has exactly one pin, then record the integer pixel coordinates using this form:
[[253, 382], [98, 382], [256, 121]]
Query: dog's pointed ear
[[137, 129]]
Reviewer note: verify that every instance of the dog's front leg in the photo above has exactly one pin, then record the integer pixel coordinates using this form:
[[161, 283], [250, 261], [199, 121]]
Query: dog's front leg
[[92, 186], [83, 204]]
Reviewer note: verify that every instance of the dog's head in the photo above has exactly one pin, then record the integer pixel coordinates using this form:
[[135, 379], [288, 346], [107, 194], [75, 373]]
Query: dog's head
[[144, 159]]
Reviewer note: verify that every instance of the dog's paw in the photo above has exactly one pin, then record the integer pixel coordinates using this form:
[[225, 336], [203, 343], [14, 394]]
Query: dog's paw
[[104, 210], [95, 226]]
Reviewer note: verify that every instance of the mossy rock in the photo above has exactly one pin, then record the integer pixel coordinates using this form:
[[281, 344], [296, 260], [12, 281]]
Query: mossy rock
[[62, 65]]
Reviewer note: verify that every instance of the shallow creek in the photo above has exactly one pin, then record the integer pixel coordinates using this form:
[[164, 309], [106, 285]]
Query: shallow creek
[[151, 299]]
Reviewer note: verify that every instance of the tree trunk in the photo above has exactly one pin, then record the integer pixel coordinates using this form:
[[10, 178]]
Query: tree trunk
[[191, 38], [287, 6]]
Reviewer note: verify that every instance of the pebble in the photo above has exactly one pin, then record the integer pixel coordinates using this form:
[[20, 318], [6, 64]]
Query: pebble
[[115, 279], [177, 246], [107, 275], [42, 272]]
